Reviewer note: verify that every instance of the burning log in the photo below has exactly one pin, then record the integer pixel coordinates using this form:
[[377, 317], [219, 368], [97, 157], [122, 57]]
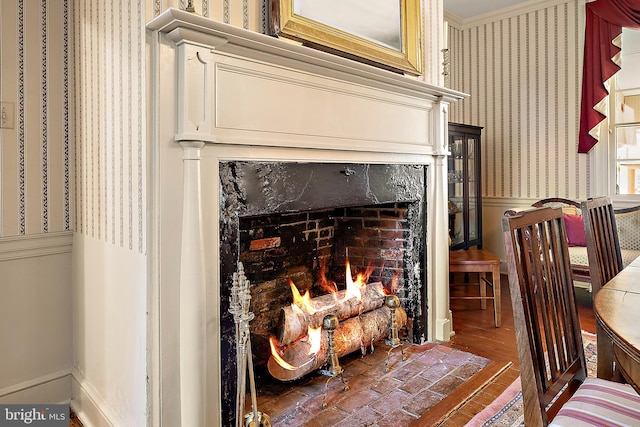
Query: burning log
[[353, 334], [295, 322]]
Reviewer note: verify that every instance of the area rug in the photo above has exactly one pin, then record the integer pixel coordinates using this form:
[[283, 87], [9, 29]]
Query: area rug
[[507, 409]]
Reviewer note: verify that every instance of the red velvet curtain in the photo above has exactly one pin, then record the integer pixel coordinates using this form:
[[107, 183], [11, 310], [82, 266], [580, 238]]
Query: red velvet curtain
[[605, 19]]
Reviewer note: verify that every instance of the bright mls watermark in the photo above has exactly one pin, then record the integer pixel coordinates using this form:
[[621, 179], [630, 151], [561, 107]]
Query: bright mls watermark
[[34, 415]]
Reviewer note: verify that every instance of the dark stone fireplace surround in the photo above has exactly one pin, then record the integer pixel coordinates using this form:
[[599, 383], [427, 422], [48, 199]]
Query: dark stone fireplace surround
[[376, 212]]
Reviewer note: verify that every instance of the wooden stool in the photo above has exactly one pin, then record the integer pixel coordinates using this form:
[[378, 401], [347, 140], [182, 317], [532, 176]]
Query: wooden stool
[[482, 262]]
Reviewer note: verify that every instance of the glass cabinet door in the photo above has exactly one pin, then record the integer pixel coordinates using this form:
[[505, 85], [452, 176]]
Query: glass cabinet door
[[472, 180], [456, 189], [465, 204]]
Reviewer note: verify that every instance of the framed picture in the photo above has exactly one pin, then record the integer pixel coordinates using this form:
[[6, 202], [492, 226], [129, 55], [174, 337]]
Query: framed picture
[[385, 33]]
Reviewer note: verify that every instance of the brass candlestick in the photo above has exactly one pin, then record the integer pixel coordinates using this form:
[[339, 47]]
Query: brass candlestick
[[189, 7], [445, 65], [330, 324], [393, 341]]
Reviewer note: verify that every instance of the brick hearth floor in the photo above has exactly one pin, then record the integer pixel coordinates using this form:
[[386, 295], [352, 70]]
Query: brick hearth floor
[[375, 398]]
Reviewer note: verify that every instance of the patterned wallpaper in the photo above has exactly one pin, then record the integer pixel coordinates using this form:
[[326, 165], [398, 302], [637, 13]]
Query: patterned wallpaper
[[109, 107], [248, 14], [75, 73], [35, 155], [523, 75]]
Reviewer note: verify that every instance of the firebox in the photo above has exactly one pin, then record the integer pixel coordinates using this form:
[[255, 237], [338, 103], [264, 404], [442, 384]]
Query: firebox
[[301, 224]]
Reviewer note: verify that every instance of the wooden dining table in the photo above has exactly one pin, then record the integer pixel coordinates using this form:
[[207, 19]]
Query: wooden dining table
[[617, 311]]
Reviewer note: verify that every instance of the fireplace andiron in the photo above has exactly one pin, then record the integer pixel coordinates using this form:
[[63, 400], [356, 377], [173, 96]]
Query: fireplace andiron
[[393, 341], [330, 323], [239, 307]]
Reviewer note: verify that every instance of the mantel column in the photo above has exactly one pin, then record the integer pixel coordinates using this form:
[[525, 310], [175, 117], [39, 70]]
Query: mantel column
[[440, 226], [439, 221], [192, 292]]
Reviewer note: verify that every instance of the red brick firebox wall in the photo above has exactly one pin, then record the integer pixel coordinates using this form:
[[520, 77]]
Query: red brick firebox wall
[[295, 246]]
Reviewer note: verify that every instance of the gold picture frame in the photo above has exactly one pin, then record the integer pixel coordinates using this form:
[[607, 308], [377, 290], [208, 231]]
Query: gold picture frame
[[384, 33]]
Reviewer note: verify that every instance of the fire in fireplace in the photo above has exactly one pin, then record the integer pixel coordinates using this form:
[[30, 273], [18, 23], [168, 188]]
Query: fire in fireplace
[[301, 346], [304, 228]]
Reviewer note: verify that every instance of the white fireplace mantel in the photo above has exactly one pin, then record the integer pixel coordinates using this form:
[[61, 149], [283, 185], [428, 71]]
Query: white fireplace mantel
[[222, 93]]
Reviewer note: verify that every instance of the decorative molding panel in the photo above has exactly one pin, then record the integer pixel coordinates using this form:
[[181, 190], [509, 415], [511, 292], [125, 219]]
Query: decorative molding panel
[[35, 245], [508, 202], [54, 388], [383, 107]]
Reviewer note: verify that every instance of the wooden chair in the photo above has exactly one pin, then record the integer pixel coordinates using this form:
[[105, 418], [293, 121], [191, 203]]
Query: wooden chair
[[482, 262], [579, 259], [552, 361], [605, 262], [568, 206], [603, 246]]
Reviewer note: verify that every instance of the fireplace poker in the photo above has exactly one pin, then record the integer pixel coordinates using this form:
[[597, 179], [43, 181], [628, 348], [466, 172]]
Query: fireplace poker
[[239, 307]]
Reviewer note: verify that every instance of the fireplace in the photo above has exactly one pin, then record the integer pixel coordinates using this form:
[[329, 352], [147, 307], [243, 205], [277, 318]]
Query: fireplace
[[228, 98], [302, 222]]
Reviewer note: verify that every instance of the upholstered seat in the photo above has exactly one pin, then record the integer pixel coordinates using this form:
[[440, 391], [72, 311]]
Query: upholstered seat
[[548, 333], [578, 256], [597, 402], [627, 225]]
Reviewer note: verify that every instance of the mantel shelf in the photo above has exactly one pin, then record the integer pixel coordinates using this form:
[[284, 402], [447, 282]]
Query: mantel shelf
[[250, 44]]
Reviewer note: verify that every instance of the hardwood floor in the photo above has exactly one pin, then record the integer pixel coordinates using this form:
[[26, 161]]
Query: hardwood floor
[[476, 333], [74, 421]]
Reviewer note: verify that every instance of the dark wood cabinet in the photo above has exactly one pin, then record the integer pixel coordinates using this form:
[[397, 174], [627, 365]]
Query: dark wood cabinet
[[465, 197]]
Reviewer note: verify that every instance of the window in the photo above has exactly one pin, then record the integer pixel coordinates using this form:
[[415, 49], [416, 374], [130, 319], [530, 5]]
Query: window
[[625, 126], [627, 136]]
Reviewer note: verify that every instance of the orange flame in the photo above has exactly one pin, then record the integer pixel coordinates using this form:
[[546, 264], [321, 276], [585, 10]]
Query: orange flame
[[315, 338], [324, 283], [301, 304], [355, 288], [276, 356]]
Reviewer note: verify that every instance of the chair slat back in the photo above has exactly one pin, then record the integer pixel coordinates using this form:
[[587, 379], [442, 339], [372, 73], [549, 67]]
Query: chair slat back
[[603, 246], [549, 339]]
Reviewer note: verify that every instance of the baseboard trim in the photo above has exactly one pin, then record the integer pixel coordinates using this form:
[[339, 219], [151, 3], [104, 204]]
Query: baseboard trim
[[89, 406], [34, 245], [51, 388]]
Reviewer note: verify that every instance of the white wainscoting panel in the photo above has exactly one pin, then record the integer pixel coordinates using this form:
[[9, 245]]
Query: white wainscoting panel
[[36, 317]]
